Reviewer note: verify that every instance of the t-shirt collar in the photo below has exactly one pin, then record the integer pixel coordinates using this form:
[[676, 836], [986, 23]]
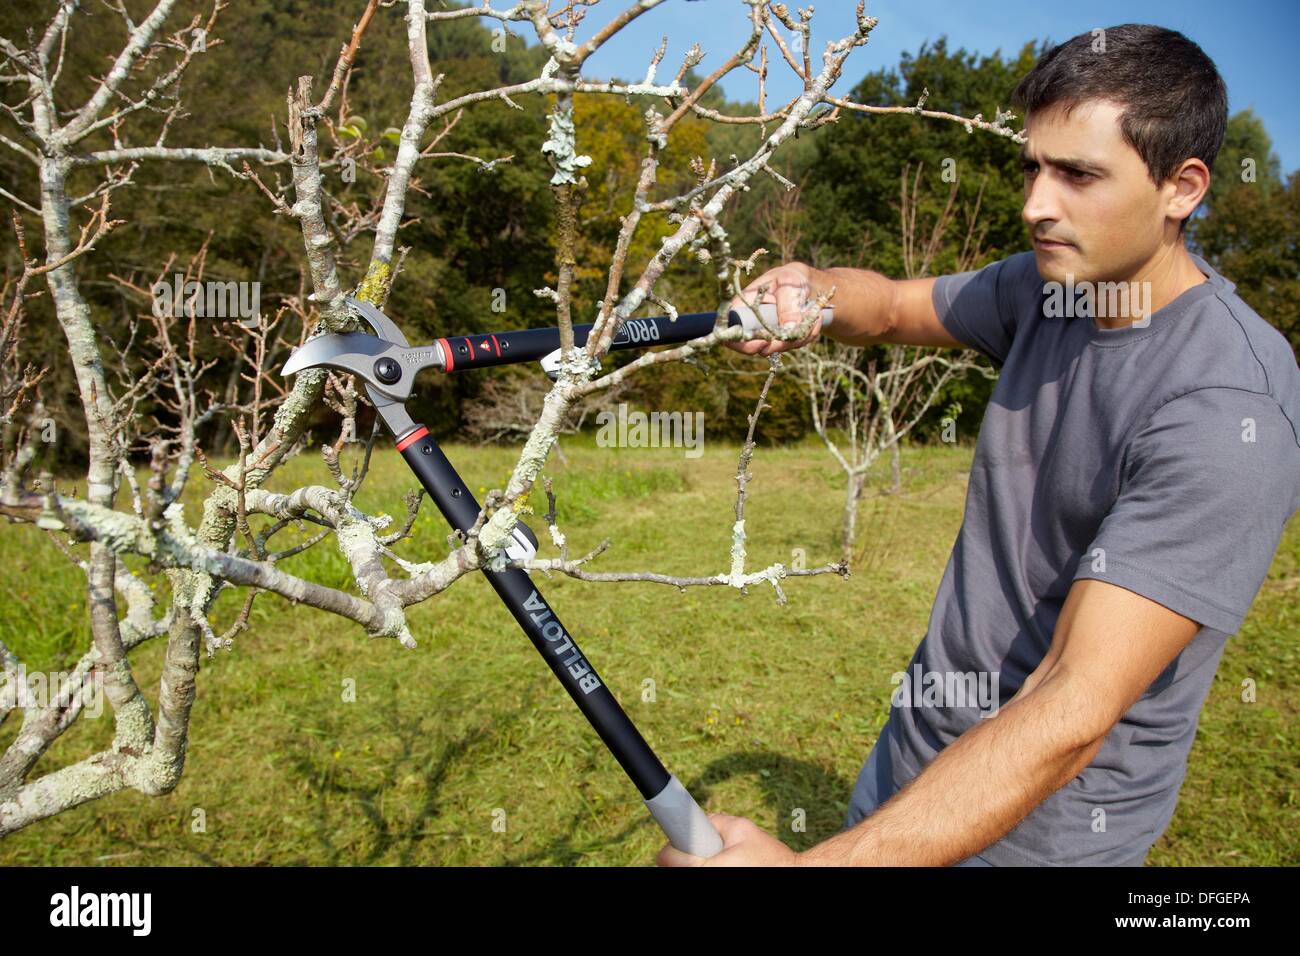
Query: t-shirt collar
[[1166, 313]]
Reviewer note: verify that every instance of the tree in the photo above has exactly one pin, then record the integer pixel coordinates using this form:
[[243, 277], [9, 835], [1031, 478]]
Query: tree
[[850, 200], [1250, 227], [877, 395], [145, 394]]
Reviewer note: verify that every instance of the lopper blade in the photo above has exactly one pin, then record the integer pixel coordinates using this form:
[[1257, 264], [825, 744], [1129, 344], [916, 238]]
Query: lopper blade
[[351, 351]]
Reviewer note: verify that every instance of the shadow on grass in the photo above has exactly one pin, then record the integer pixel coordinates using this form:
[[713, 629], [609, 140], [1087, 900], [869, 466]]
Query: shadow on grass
[[154, 849], [787, 785], [366, 797]]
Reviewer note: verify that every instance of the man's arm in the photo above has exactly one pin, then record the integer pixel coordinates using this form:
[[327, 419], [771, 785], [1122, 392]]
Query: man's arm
[[1109, 646], [870, 308]]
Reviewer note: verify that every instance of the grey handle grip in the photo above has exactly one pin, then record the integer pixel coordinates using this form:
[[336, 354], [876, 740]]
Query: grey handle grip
[[768, 312], [685, 824]]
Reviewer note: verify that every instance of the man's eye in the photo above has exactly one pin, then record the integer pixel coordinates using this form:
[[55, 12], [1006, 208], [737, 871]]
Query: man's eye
[[1078, 174], [1029, 167]]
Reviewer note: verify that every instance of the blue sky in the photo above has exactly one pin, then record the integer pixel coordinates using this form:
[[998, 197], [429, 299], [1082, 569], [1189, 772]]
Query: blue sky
[[1253, 42]]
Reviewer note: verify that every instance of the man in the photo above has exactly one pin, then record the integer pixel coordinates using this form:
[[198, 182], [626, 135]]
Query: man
[[1132, 477]]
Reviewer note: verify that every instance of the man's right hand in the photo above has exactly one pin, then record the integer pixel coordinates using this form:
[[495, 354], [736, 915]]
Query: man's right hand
[[790, 286]]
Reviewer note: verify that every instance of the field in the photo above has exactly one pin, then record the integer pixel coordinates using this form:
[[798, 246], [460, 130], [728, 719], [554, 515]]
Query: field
[[759, 709]]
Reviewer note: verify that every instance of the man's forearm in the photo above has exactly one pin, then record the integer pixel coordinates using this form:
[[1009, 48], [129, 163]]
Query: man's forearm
[[974, 792], [862, 303]]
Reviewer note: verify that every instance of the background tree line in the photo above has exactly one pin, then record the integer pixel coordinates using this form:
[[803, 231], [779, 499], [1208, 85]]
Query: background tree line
[[479, 239]]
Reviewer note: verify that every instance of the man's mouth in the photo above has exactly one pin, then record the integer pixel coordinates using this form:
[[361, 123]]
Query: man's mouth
[[1047, 245]]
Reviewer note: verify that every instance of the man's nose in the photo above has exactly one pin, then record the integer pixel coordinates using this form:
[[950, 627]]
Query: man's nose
[[1040, 202]]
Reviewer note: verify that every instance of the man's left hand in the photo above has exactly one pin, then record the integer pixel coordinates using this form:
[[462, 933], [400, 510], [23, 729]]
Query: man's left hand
[[744, 843]]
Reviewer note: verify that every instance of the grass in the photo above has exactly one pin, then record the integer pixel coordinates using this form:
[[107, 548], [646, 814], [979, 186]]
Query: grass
[[466, 751]]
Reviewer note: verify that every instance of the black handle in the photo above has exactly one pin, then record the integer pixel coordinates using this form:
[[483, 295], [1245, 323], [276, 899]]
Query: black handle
[[539, 622], [529, 345]]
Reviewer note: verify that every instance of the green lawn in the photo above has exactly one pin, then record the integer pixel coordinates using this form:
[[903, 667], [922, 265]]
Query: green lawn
[[758, 709]]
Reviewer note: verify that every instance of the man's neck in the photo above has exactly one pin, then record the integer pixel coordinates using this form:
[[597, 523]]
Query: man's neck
[[1169, 274]]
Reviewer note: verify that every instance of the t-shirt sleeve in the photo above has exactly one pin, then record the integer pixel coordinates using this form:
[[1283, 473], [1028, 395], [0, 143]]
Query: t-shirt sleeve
[[1209, 482], [981, 308]]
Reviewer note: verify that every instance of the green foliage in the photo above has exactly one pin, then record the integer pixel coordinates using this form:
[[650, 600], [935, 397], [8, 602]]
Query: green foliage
[[477, 239], [851, 175], [1245, 139], [854, 188], [1249, 228]]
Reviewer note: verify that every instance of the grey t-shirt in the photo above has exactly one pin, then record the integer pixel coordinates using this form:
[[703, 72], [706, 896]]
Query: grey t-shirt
[[1164, 459]]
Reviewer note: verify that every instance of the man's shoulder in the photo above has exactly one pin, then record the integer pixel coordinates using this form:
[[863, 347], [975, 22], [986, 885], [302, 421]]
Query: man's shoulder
[[1224, 346], [1018, 270]]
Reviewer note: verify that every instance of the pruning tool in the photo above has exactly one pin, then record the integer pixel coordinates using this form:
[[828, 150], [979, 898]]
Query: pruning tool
[[388, 364]]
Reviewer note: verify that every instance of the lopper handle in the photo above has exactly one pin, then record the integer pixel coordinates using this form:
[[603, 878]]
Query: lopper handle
[[768, 312], [683, 821]]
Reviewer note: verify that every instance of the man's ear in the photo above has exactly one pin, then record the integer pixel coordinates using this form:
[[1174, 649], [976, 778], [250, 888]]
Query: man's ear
[[1186, 188]]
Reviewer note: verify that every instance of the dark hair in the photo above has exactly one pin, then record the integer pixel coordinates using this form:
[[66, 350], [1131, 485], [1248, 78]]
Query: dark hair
[[1175, 103]]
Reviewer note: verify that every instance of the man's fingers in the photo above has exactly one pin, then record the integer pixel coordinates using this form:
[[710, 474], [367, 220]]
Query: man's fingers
[[729, 827], [815, 331], [752, 347], [733, 830], [788, 288], [789, 303], [671, 856]]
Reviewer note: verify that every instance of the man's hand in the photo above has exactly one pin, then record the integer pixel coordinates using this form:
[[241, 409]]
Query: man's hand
[[790, 286], [743, 844]]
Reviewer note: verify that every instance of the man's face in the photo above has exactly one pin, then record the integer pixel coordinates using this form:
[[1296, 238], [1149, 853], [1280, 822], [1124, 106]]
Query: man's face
[[1087, 188]]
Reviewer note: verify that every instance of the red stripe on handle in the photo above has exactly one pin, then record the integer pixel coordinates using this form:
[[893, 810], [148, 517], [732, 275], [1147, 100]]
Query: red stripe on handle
[[446, 353], [412, 438]]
